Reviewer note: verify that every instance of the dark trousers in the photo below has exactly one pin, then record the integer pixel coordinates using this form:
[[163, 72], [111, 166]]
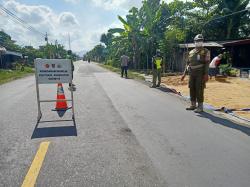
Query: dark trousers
[[196, 86], [124, 68], [72, 77]]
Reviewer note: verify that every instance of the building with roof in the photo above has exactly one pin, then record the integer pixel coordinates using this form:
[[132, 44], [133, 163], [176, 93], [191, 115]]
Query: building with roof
[[237, 53], [7, 58], [180, 57]]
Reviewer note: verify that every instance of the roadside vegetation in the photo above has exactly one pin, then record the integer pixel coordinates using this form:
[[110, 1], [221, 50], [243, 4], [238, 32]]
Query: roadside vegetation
[[164, 25], [48, 50], [9, 75], [14, 69], [161, 25], [131, 74]]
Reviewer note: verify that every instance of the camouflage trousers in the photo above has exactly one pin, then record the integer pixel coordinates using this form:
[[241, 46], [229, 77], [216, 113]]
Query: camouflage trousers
[[156, 74]]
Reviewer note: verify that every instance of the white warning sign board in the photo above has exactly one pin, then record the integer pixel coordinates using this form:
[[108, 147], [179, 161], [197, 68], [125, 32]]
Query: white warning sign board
[[49, 71]]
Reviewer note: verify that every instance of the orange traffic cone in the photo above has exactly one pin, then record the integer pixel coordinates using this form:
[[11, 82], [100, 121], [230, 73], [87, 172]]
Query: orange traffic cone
[[61, 105]]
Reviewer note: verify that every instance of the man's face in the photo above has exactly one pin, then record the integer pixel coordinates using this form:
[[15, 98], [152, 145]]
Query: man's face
[[198, 44]]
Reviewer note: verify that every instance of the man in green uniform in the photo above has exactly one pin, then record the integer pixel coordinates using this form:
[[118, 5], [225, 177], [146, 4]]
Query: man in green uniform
[[197, 67], [157, 67]]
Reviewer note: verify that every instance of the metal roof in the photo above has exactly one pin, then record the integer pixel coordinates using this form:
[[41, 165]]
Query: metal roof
[[235, 42], [205, 44], [13, 53], [7, 52]]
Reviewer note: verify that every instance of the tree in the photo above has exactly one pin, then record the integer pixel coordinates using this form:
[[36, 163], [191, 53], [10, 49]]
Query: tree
[[132, 34], [160, 25], [149, 16], [46, 51], [220, 20], [234, 22], [8, 43], [96, 54]]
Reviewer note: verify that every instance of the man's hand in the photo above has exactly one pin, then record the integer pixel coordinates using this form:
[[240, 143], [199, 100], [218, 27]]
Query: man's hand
[[183, 77], [205, 78]]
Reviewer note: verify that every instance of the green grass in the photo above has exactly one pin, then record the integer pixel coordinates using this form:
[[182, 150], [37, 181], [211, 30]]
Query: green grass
[[9, 75], [131, 74]]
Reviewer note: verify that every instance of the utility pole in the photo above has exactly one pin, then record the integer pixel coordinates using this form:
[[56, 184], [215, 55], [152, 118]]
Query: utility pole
[[69, 42], [47, 42], [56, 43], [46, 37]]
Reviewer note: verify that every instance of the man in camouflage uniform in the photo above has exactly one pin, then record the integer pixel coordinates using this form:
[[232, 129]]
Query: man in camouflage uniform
[[157, 67], [197, 67]]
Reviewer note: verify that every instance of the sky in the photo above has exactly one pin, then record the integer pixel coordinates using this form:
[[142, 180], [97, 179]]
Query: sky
[[83, 20]]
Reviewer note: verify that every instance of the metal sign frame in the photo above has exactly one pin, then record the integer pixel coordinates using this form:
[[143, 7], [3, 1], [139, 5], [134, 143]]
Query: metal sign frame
[[39, 115]]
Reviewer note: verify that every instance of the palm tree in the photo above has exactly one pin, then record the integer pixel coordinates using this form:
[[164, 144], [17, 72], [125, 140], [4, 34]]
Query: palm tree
[[132, 32]]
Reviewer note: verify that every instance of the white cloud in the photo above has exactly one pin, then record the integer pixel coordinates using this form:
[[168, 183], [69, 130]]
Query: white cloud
[[72, 1], [43, 19], [85, 32], [67, 19], [121, 4], [117, 4], [90, 39]]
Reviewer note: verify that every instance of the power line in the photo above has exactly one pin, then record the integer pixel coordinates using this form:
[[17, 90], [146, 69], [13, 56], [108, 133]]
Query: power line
[[14, 20], [18, 20], [221, 17], [23, 23]]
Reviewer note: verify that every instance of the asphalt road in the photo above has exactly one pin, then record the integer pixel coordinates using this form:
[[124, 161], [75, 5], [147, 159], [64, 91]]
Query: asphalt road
[[125, 134]]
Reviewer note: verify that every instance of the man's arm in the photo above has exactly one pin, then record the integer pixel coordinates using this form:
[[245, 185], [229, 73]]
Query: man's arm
[[153, 62], [206, 66], [186, 70]]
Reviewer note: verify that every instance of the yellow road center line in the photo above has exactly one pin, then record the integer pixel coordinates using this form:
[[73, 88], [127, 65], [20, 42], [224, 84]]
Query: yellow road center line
[[36, 165]]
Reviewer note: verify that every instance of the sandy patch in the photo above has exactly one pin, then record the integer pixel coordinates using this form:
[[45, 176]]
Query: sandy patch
[[232, 93]]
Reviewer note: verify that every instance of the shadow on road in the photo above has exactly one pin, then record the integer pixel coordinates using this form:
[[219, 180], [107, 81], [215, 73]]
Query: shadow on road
[[45, 132], [168, 90], [225, 122], [61, 113]]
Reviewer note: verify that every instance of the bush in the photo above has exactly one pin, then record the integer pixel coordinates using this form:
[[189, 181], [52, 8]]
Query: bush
[[234, 72], [225, 69], [16, 66], [113, 62], [109, 62], [28, 69]]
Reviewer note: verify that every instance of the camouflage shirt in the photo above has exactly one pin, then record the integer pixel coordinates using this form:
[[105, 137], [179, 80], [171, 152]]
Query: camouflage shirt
[[198, 60]]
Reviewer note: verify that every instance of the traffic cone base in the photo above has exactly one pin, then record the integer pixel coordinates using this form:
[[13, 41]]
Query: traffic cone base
[[61, 105]]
